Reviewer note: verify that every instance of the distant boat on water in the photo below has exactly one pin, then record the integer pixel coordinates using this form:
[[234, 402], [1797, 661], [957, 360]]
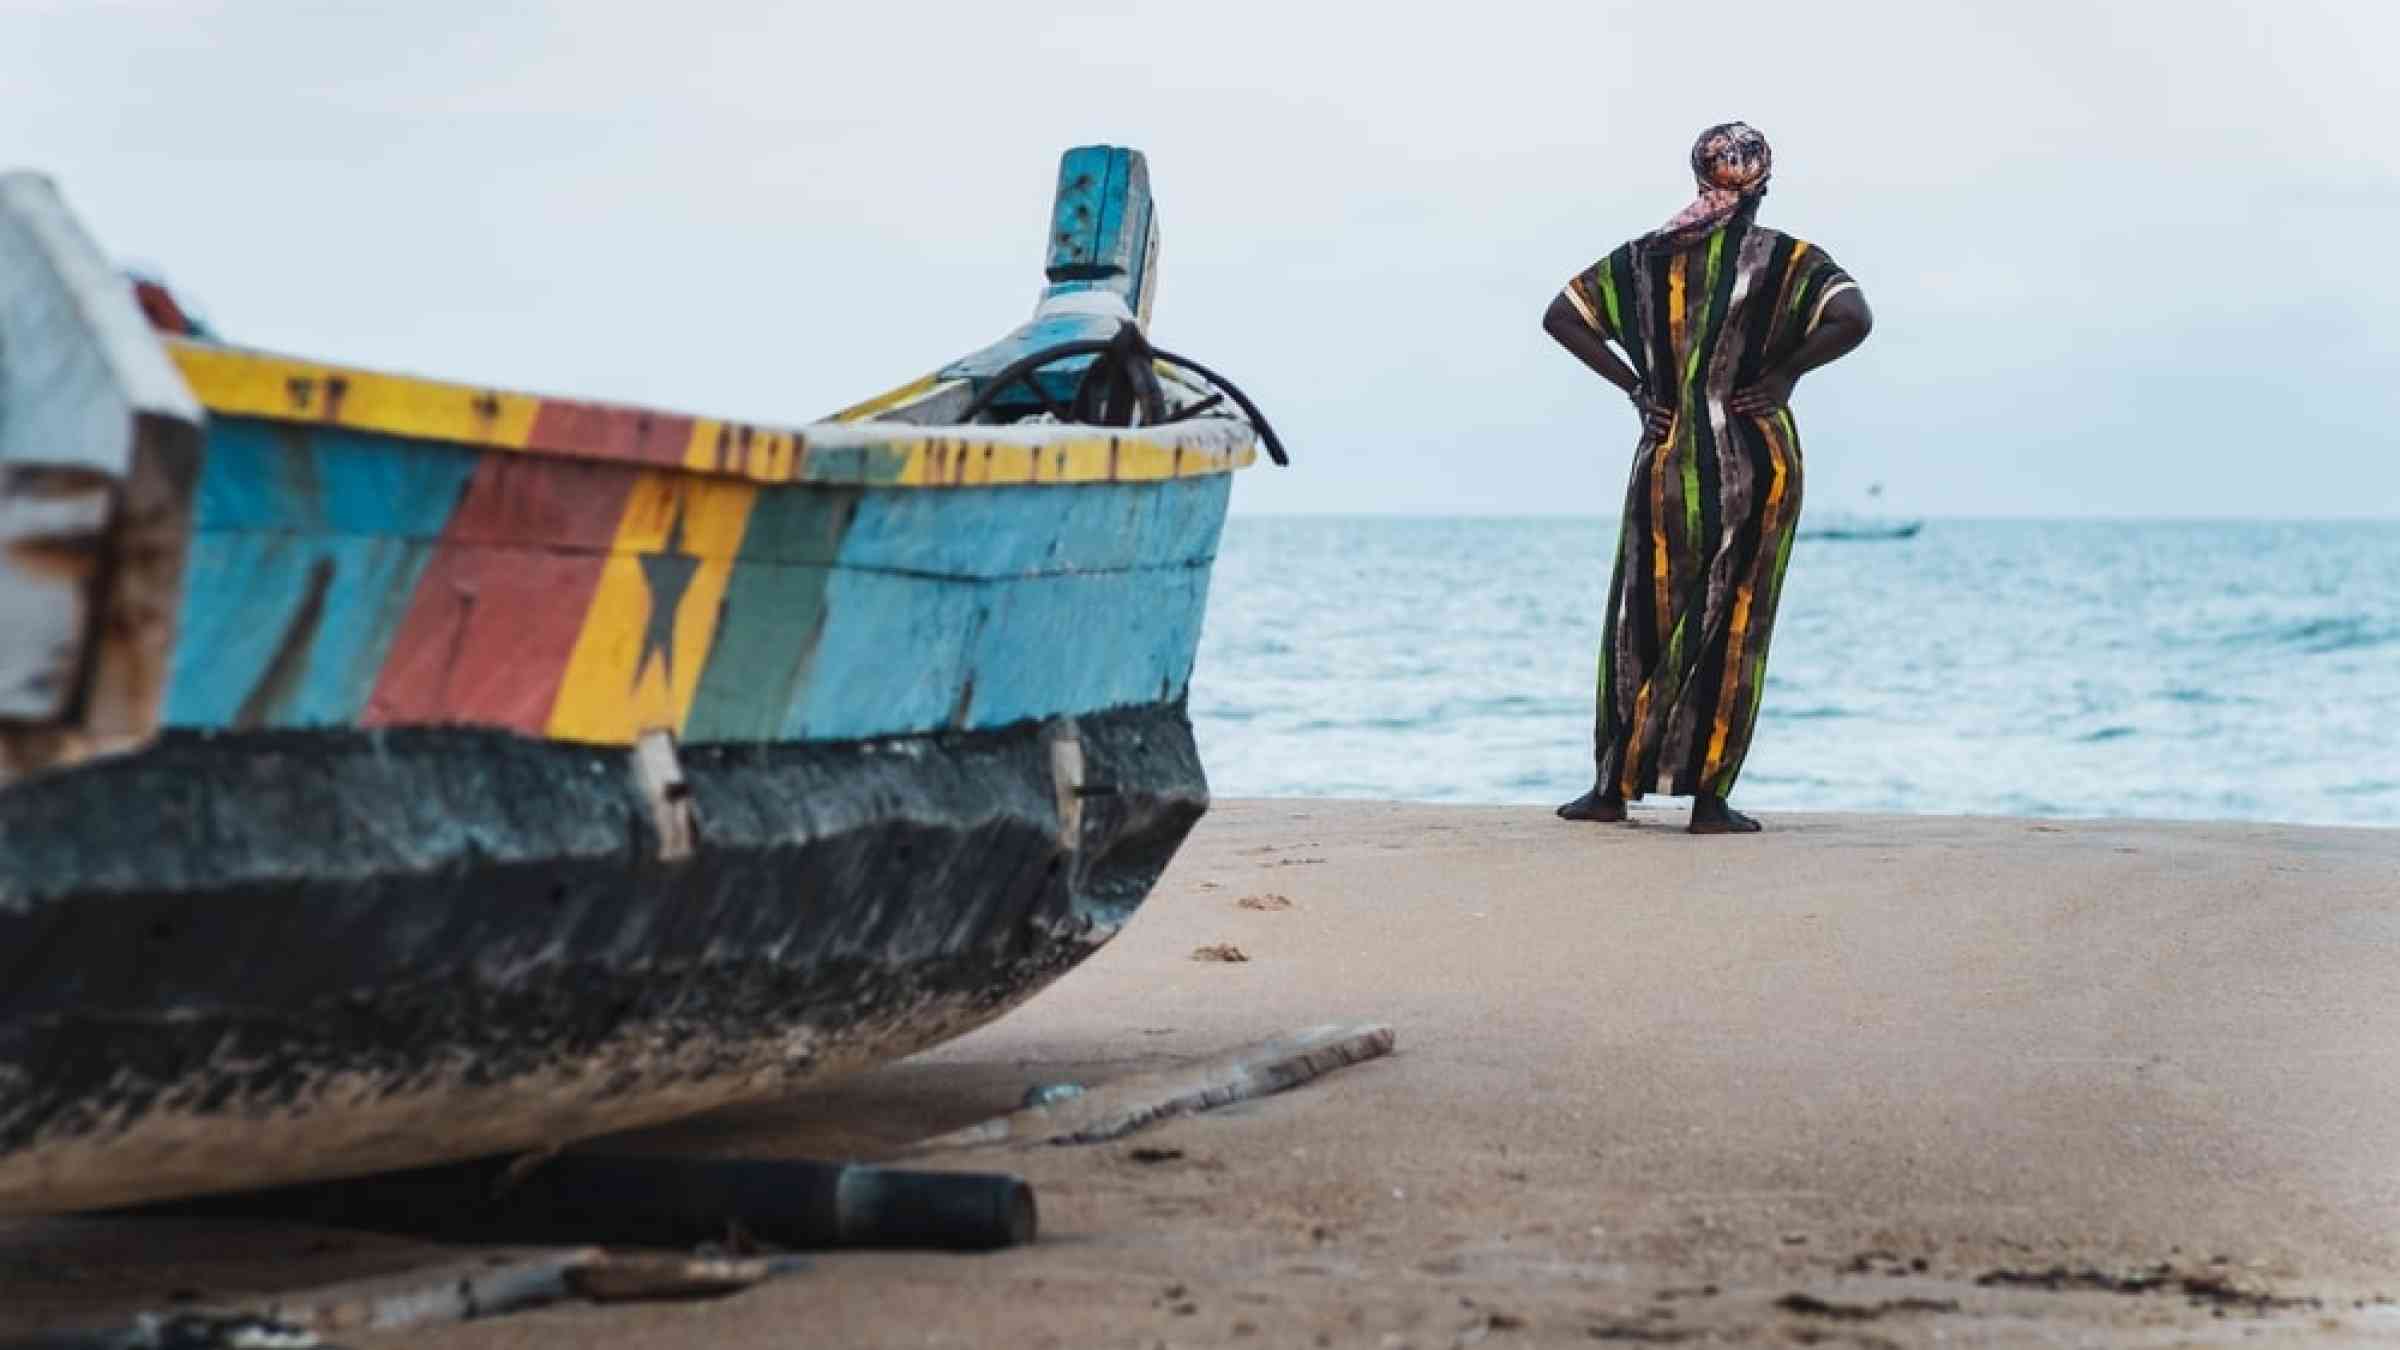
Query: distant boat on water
[[1856, 526]]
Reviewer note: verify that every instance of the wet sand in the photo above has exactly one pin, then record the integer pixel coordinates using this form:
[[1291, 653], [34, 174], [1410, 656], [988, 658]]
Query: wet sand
[[1859, 1080]]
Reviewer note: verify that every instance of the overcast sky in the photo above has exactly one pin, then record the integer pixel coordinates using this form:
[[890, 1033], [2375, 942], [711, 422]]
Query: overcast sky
[[2126, 259]]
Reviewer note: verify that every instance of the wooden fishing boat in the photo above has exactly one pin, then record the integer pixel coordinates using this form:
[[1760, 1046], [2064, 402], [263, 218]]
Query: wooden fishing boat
[[1836, 525], [394, 771], [1857, 526]]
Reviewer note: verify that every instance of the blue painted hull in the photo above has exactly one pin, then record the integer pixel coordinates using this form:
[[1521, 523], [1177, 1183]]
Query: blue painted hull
[[461, 772]]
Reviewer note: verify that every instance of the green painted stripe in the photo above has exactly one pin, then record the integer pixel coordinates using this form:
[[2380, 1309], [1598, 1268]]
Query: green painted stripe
[[774, 612]]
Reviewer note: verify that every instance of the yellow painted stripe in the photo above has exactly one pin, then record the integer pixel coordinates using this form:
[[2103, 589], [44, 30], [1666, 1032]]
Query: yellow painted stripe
[[253, 384], [628, 675], [760, 454], [944, 461], [881, 403], [243, 383]]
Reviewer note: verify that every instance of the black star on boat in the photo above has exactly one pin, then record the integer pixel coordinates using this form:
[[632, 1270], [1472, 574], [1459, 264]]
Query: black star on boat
[[668, 574]]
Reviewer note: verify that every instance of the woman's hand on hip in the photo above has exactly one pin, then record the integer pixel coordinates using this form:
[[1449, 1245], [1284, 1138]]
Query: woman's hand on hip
[[1765, 398], [1657, 418]]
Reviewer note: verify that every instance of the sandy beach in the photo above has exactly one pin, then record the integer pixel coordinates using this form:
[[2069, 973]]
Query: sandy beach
[[1859, 1080]]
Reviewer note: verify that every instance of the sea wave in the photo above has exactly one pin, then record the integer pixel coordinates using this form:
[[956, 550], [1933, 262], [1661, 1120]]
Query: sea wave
[[2321, 636], [1817, 713], [2219, 671]]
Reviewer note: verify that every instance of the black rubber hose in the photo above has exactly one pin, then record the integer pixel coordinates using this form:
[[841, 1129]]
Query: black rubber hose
[[1023, 367], [1241, 400], [656, 1201]]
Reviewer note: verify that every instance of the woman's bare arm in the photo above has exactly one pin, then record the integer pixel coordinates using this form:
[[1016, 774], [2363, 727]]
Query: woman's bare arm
[[1585, 344], [1844, 324]]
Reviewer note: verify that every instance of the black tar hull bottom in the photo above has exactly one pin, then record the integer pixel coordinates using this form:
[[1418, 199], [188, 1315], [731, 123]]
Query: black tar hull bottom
[[242, 960]]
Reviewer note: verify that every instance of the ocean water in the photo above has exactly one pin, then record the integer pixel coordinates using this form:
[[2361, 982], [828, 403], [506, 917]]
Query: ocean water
[[2225, 671]]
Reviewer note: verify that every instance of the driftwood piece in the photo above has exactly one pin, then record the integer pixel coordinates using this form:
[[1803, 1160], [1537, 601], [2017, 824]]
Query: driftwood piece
[[624, 1279], [457, 1291], [1117, 1109]]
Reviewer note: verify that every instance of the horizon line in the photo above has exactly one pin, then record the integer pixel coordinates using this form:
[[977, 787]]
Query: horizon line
[[1925, 516]]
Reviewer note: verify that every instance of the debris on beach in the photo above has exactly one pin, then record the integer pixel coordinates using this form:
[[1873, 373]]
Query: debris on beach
[[1113, 1110], [2206, 1288], [664, 1201], [187, 1331], [626, 1279], [1643, 1333], [1809, 1305], [1048, 1094], [1220, 951], [1269, 902], [463, 1291]]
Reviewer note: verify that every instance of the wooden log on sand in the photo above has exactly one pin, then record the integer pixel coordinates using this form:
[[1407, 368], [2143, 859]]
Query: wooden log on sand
[[1118, 1109]]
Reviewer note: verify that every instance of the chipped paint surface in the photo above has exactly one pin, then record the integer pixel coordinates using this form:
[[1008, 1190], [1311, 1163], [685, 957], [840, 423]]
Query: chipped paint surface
[[505, 950], [345, 578], [513, 769], [353, 1121], [235, 383], [97, 442]]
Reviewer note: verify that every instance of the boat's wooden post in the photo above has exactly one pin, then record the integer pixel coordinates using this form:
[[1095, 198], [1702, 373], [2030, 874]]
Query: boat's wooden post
[[1101, 263], [1100, 259], [1066, 779], [660, 776], [1104, 227], [99, 450]]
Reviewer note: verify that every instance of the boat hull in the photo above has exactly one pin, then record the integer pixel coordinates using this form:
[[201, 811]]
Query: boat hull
[[485, 953], [397, 770]]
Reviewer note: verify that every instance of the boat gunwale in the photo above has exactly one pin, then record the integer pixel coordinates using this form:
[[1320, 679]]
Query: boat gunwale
[[233, 381]]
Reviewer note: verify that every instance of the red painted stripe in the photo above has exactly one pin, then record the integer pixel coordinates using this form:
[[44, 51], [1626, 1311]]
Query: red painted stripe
[[633, 435], [497, 612]]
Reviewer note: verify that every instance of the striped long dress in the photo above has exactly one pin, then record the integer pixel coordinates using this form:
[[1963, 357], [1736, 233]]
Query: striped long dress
[[1709, 515]]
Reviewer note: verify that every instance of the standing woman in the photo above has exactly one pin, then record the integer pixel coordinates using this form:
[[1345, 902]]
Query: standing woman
[[1717, 318]]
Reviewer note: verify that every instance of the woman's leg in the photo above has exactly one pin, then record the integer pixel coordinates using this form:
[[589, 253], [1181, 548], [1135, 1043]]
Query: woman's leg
[[1712, 815], [1596, 806]]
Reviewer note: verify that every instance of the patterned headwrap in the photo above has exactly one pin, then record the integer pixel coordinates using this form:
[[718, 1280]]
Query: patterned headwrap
[[1732, 163]]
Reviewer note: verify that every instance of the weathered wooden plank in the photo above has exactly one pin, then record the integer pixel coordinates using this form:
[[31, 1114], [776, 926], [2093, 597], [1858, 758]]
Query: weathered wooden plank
[[490, 1284], [1100, 218], [1119, 1108], [1076, 247], [884, 451], [98, 440], [1102, 268]]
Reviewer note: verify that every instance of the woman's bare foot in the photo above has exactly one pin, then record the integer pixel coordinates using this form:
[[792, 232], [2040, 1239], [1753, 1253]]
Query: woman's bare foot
[[1594, 806], [1710, 815]]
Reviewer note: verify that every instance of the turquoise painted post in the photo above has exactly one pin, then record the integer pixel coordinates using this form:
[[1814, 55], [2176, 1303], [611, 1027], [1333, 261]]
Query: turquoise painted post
[[1100, 220], [1100, 264]]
